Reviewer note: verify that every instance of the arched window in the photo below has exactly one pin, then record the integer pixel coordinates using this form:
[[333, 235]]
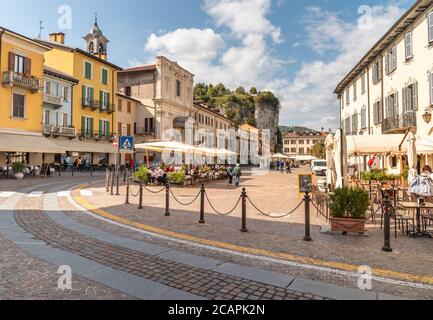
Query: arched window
[[101, 48], [91, 47]]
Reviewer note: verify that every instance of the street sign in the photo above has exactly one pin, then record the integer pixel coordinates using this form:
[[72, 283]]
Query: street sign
[[126, 143], [116, 143], [305, 183]]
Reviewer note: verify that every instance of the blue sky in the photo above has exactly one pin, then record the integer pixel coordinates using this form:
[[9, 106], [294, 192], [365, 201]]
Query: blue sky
[[299, 49]]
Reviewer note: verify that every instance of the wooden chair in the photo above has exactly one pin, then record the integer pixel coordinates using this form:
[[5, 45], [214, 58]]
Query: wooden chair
[[403, 222]]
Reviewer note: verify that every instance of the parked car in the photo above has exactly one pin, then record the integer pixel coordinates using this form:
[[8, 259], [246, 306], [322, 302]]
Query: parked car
[[318, 167]]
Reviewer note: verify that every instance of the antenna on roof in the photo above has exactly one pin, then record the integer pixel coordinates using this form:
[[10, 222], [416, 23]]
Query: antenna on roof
[[40, 29]]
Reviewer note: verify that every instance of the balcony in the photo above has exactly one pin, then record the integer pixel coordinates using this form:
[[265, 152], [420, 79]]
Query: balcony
[[145, 132], [91, 104], [53, 101], [399, 123], [108, 108], [58, 131], [87, 134], [11, 78]]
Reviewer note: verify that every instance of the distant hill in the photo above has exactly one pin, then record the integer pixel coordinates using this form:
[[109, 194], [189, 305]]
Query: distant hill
[[286, 129]]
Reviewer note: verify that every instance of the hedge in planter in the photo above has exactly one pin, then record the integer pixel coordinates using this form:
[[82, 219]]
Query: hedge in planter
[[177, 177], [142, 174], [348, 207]]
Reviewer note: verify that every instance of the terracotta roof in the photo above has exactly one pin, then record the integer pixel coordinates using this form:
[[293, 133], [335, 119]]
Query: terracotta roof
[[151, 67]]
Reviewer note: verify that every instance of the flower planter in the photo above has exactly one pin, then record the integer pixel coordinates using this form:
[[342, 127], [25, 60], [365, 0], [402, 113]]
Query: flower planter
[[19, 176], [347, 225]]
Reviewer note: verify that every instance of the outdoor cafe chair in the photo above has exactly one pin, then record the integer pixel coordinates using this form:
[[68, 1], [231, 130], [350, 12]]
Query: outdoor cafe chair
[[403, 222], [427, 220]]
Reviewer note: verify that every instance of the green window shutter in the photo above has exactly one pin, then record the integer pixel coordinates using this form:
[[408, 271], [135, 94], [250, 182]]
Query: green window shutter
[[91, 126], [88, 71], [83, 124], [92, 94], [108, 128], [84, 95], [100, 99], [100, 128], [108, 101], [104, 76]]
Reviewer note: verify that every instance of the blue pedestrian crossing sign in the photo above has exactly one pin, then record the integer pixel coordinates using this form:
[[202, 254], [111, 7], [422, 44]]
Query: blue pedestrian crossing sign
[[126, 143]]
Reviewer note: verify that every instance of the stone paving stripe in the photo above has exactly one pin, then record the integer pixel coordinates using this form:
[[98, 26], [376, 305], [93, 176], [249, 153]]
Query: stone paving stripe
[[6, 194], [63, 194], [331, 291], [35, 194], [86, 193], [191, 260], [263, 276]]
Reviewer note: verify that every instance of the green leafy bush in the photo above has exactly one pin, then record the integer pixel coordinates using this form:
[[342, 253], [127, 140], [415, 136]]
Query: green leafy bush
[[177, 177], [378, 175], [142, 174], [349, 203], [17, 167]]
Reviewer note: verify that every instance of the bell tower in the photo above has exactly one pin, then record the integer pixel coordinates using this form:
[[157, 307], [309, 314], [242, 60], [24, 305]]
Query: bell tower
[[96, 42]]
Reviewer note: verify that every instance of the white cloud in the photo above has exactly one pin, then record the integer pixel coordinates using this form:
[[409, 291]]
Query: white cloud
[[309, 97]]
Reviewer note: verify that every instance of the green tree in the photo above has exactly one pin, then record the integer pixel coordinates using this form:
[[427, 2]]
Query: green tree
[[241, 90], [253, 91], [319, 150]]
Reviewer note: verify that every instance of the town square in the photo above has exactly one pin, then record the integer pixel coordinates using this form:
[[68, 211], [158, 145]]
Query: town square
[[228, 161]]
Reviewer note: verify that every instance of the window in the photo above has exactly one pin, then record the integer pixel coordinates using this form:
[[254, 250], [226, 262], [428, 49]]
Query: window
[[347, 97], [46, 118], [430, 27], [104, 100], [104, 128], [19, 64], [377, 71], [364, 118], [63, 120], [104, 76], [391, 60], [293, 150], [148, 125], [128, 91], [119, 105], [128, 129], [363, 83], [119, 129], [88, 70], [48, 87], [408, 46], [394, 162], [87, 95], [301, 150], [410, 98], [178, 88], [392, 106], [66, 94], [18, 105], [377, 113], [87, 126], [293, 142], [128, 107], [301, 141], [354, 91], [347, 126], [355, 124]]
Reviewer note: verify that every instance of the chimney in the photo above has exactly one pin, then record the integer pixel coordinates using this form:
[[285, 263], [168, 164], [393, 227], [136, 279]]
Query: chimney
[[58, 37]]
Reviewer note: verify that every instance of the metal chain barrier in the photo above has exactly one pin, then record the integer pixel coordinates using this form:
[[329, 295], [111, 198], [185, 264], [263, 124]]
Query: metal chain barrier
[[180, 202], [271, 216], [153, 191], [135, 195], [220, 213]]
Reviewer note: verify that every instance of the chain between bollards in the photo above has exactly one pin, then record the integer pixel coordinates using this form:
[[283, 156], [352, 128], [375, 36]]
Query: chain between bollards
[[202, 199], [127, 191], [244, 210], [140, 200], [387, 224], [167, 199], [307, 201]]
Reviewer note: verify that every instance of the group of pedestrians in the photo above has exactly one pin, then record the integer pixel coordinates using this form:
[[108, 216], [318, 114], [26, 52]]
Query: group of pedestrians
[[234, 174]]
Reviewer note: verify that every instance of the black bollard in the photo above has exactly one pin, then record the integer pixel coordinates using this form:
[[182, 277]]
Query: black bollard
[[127, 191], [387, 225], [107, 180], [167, 199], [117, 183], [140, 200], [244, 210], [91, 170], [124, 175], [112, 183], [73, 169], [202, 198], [307, 200]]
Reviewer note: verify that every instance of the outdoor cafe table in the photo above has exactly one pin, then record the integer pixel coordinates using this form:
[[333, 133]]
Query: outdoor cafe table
[[418, 207]]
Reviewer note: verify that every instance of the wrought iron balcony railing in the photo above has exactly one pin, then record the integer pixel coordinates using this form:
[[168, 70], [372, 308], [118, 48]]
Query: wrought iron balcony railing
[[92, 104], [399, 122], [51, 130], [12, 78], [88, 134], [54, 101]]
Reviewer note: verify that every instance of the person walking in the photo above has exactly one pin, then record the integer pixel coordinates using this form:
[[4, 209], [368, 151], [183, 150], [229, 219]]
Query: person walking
[[230, 174], [237, 173]]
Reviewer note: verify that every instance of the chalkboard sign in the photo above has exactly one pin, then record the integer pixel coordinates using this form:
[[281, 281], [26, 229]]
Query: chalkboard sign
[[305, 183], [45, 170]]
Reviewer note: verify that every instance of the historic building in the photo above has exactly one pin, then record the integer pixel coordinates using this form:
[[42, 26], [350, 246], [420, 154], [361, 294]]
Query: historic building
[[390, 91], [297, 145], [93, 99], [22, 98]]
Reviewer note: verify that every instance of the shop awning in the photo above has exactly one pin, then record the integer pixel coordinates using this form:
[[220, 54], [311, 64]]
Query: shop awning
[[28, 143], [87, 146], [376, 144]]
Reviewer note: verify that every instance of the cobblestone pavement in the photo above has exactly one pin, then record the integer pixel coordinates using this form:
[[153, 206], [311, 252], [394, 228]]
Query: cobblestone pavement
[[25, 277], [205, 283]]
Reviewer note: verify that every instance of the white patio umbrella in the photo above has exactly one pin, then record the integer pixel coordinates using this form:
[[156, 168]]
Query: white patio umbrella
[[279, 156], [166, 146], [412, 156], [340, 158], [330, 161]]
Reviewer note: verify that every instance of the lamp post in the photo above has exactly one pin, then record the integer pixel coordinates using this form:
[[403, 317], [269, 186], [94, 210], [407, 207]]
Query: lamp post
[[427, 116]]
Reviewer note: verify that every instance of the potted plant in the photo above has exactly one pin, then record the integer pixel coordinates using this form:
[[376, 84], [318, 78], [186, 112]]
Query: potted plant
[[177, 178], [142, 174], [348, 207], [18, 170]]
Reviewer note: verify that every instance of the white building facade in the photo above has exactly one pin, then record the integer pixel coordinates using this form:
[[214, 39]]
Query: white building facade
[[390, 91]]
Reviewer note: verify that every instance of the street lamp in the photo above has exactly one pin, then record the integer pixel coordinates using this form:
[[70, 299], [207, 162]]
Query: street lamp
[[427, 116]]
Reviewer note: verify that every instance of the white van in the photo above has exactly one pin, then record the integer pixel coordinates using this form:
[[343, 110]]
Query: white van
[[319, 167]]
